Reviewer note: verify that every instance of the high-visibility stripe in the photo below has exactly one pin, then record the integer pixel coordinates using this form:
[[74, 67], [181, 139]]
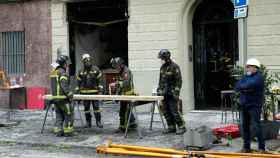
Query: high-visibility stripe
[[52, 76], [57, 87], [68, 129], [68, 109], [99, 75], [63, 78], [58, 97], [130, 92], [97, 111], [86, 112], [89, 91], [56, 130]]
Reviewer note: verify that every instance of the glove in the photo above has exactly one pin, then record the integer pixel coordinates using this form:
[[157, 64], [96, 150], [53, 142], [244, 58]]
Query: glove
[[176, 94], [77, 90], [159, 92], [70, 96]]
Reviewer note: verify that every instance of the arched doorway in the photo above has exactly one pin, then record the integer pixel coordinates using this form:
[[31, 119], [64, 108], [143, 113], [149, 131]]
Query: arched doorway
[[215, 43]]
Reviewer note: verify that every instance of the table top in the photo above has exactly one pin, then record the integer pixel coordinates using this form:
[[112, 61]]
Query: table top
[[227, 91], [11, 87], [112, 97]]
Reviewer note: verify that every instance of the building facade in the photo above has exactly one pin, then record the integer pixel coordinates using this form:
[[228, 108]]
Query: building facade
[[25, 40], [202, 35]]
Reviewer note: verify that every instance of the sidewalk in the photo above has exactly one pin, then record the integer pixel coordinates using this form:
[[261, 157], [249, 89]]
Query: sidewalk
[[28, 131]]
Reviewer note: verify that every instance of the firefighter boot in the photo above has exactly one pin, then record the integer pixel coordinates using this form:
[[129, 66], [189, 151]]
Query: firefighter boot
[[171, 129], [88, 119], [98, 119], [181, 130]]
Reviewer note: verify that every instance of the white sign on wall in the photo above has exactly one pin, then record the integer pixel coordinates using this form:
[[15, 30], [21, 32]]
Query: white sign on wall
[[240, 12]]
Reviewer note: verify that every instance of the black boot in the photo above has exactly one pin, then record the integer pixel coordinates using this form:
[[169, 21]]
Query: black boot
[[88, 119], [181, 130], [98, 119], [88, 125], [120, 130], [171, 128], [59, 134]]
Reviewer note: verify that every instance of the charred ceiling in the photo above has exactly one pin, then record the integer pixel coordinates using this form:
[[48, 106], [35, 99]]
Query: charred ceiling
[[98, 11]]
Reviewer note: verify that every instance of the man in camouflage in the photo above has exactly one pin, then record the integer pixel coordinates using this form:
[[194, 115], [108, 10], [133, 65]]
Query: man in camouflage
[[123, 86], [170, 83], [61, 97], [89, 82]]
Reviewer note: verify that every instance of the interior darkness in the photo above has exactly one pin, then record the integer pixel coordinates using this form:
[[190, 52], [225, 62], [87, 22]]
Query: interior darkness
[[215, 51], [99, 28]]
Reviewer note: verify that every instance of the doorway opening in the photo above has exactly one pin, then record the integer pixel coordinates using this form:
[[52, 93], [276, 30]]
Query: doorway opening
[[215, 51], [98, 28]]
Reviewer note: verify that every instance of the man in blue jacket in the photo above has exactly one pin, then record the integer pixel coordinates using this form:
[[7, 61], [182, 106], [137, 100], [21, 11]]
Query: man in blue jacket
[[251, 88]]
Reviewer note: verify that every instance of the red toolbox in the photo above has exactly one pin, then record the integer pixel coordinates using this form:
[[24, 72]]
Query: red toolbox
[[229, 130], [35, 98]]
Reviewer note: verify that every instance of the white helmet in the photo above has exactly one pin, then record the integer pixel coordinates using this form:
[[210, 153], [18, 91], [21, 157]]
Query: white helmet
[[85, 56], [253, 62]]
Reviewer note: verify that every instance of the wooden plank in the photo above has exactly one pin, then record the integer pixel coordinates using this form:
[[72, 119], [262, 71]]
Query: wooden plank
[[112, 97]]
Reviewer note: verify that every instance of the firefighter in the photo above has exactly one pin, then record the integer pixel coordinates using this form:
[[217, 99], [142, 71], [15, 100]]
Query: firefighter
[[170, 83], [62, 97], [89, 82], [123, 86]]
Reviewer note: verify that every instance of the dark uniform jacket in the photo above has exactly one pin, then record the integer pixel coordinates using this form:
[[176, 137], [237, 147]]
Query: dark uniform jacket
[[60, 84], [125, 82], [170, 80], [251, 90], [89, 81]]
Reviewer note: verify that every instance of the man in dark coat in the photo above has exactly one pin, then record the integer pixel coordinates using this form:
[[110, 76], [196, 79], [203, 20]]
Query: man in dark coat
[[251, 88]]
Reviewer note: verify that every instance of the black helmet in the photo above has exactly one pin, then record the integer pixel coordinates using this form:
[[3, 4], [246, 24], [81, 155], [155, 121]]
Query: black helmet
[[164, 54], [117, 61], [62, 60]]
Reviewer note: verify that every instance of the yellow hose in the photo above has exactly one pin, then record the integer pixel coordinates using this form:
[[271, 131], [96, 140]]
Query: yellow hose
[[148, 149], [171, 153], [119, 151]]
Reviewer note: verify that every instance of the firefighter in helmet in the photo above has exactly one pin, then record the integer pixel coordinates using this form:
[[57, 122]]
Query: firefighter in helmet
[[170, 83], [89, 81], [62, 97], [123, 86]]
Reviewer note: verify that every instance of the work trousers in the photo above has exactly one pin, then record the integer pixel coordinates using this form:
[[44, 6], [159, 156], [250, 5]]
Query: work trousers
[[96, 110], [171, 112], [124, 114], [64, 116], [251, 117]]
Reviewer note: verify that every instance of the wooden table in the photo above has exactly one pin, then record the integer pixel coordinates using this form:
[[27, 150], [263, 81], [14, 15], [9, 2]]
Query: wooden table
[[11, 99], [155, 100]]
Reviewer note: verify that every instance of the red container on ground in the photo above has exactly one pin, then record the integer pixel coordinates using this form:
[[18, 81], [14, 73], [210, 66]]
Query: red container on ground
[[35, 98], [232, 130]]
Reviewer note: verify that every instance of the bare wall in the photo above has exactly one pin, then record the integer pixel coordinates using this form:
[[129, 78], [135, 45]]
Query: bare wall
[[33, 17]]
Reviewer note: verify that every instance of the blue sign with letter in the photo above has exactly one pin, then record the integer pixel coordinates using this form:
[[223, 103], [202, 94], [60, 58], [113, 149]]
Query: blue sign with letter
[[240, 3]]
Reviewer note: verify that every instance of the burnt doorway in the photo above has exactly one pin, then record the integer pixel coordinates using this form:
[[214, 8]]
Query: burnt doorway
[[98, 28], [215, 51]]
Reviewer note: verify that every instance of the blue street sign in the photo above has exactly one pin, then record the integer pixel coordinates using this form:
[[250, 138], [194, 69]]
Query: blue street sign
[[240, 3]]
